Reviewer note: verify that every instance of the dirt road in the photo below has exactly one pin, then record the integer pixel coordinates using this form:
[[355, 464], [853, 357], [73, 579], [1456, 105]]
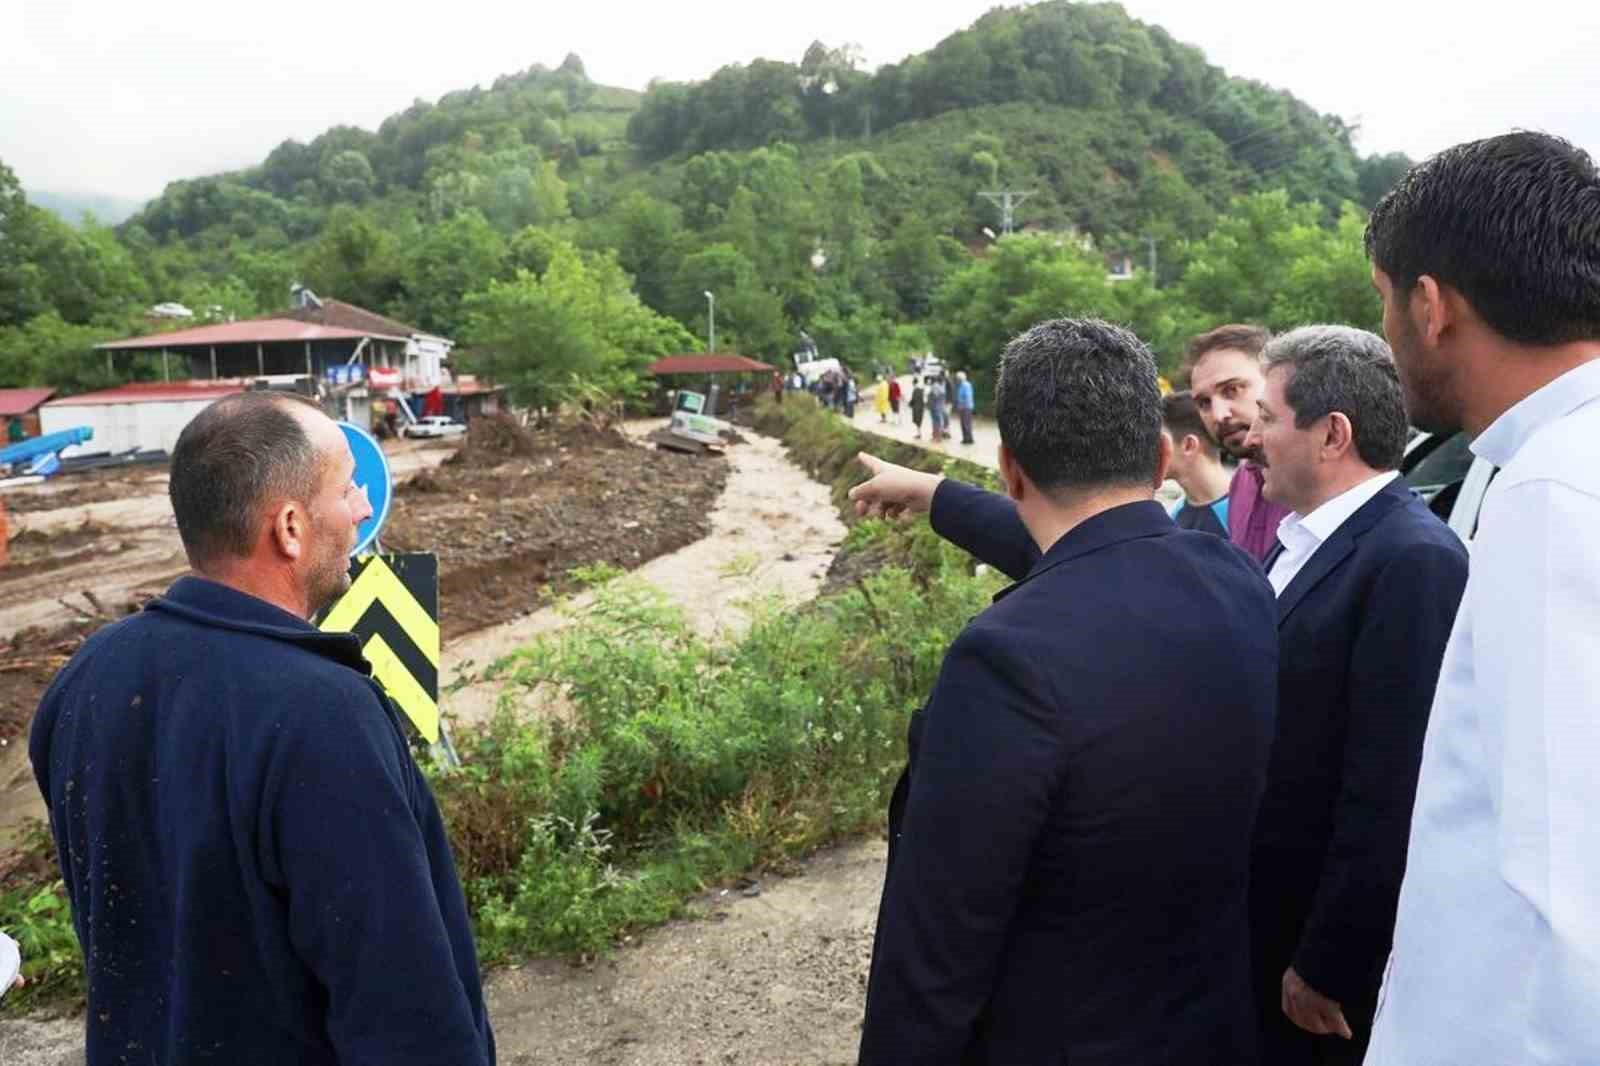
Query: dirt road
[[985, 449]]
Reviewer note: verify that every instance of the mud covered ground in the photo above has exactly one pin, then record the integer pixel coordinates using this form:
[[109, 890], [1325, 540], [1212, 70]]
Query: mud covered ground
[[510, 523]]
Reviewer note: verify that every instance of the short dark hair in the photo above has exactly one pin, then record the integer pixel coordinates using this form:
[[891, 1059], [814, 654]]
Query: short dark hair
[[1078, 405], [1237, 336], [234, 458], [1512, 223], [1340, 368], [1182, 418]]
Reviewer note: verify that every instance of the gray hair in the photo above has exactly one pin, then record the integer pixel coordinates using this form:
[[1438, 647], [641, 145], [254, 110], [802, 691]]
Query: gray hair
[[232, 461], [1078, 405], [1351, 371]]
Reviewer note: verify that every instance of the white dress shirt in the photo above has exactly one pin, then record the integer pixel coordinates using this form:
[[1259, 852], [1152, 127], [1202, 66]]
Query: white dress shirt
[[1301, 536], [1497, 942]]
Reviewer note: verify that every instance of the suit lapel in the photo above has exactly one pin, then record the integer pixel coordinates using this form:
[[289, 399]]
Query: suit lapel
[[1329, 554], [1333, 551]]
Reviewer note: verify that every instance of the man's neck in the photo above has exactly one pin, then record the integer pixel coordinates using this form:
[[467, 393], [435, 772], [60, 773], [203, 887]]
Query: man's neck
[[1518, 371], [1204, 483], [273, 586], [1047, 521], [1346, 479]]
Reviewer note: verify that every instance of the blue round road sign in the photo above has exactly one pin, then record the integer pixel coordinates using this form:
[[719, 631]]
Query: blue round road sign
[[372, 474]]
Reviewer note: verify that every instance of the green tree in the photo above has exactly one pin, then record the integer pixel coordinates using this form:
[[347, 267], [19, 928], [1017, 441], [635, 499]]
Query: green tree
[[578, 325], [1328, 278], [47, 350], [22, 281], [355, 259], [750, 317], [346, 177], [1233, 272], [649, 239], [452, 258]]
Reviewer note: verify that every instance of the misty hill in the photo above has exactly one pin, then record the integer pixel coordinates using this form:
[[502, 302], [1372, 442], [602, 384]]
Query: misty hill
[[74, 207]]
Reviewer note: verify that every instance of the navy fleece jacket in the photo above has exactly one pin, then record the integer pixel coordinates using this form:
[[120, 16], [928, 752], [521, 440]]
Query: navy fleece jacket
[[258, 872]]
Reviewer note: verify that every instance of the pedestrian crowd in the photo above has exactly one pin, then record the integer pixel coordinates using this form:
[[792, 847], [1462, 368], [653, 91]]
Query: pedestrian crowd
[[1282, 776]]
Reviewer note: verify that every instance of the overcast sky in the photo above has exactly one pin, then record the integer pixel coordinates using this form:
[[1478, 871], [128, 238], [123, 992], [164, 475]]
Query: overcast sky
[[119, 98]]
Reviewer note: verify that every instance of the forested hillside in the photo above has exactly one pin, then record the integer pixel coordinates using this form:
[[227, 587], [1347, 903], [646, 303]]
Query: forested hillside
[[566, 232]]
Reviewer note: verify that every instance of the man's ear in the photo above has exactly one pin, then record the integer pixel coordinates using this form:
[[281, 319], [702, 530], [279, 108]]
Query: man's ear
[[1164, 456], [1432, 313], [1011, 475], [1340, 438], [289, 528]]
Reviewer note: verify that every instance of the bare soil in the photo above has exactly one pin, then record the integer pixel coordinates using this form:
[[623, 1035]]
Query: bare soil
[[509, 524], [89, 486]]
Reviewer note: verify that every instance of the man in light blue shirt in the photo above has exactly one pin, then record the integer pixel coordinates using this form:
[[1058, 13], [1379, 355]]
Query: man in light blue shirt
[[964, 405], [1488, 261]]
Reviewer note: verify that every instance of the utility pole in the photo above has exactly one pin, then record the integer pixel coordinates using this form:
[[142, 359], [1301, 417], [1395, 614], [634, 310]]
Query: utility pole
[[1006, 200], [711, 314], [1150, 242], [869, 120]]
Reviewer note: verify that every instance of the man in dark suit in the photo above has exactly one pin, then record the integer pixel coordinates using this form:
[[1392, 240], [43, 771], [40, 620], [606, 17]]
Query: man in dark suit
[[1368, 583], [1069, 852]]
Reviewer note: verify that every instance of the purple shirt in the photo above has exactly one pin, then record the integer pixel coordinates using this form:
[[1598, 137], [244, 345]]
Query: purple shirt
[[1252, 520]]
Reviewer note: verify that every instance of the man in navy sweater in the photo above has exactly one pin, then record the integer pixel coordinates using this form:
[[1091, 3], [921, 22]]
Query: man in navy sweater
[[1069, 847], [257, 870]]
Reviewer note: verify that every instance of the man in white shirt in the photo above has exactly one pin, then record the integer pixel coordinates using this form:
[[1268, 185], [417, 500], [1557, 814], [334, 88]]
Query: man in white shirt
[[1367, 580], [1487, 257]]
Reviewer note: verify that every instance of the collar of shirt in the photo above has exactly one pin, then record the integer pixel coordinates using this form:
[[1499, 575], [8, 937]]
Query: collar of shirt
[[1507, 434], [1302, 531]]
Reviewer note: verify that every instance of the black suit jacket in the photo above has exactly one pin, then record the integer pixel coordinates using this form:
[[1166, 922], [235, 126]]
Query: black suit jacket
[[1070, 860], [1362, 630]]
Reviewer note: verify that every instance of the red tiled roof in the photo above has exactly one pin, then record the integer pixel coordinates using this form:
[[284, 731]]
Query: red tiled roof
[[21, 401], [153, 392], [707, 364], [261, 330]]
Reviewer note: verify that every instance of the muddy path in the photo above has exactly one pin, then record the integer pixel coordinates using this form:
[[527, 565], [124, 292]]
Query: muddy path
[[773, 531]]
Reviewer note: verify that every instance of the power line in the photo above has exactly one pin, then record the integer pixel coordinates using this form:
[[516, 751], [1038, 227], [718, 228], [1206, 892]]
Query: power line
[[1007, 201]]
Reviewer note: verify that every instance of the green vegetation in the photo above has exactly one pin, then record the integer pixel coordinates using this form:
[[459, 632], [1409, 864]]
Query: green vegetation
[[810, 195], [35, 913], [660, 763]]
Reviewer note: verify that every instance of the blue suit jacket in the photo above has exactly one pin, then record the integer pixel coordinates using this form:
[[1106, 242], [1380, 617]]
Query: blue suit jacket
[[1070, 850], [1361, 632]]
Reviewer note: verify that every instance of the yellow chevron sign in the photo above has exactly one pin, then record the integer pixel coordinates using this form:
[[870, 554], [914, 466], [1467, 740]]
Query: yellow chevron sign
[[392, 605]]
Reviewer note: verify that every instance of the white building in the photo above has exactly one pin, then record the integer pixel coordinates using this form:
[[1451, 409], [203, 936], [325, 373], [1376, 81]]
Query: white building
[[147, 416]]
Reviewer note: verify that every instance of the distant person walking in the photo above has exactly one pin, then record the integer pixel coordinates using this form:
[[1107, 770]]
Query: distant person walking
[[938, 414], [894, 398], [850, 396], [880, 400], [919, 402], [964, 405]]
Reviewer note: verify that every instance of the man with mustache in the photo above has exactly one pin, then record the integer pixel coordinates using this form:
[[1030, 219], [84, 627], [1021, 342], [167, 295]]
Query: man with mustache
[[1226, 380]]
